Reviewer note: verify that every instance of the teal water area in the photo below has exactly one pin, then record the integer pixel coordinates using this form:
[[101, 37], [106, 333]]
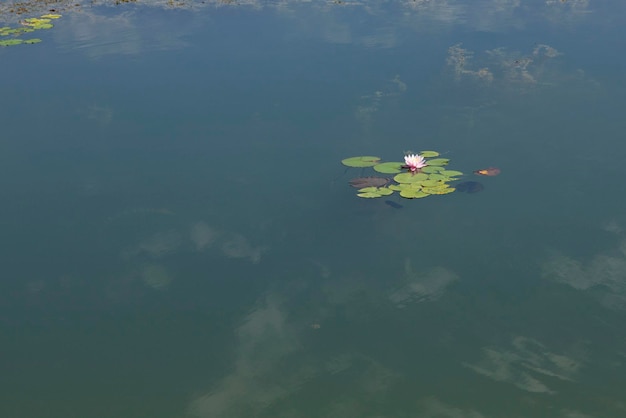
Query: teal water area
[[179, 238]]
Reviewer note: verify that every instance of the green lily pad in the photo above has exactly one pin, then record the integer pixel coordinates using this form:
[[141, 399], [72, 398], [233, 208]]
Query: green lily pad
[[438, 190], [6, 31], [438, 161], [409, 186], [389, 168], [430, 169], [10, 42], [413, 194], [32, 41], [368, 190], [32, 21], [410, 177], [438, 177], [369, 195], [429, 154], [432, 183], [363, 161], [395, 187], [382, 191], [451, 173]]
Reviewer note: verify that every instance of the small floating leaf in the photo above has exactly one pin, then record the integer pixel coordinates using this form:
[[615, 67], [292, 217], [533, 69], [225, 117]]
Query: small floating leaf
[[34, 21], [51, 16], [438, 161], [429, 169], [389, 168], [383, 191], [491, 171], [438, 177], [451, 173], [412, 194], [442, 190], [410, 177], [369, 195], [32, 41], [363, 161], [412, 186], [429, 154], [10, 42], [368, 190], [431, 183]]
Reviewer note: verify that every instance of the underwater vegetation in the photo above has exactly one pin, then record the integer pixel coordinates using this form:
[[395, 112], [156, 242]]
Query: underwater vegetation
[[29, 25], [470, 187], [393, 204]]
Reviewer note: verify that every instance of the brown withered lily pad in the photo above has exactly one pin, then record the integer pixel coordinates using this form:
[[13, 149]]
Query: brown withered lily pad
[[362, 182], [491, 171]]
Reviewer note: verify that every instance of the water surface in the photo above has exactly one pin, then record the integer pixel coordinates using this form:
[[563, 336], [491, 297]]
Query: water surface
[[179, 238]]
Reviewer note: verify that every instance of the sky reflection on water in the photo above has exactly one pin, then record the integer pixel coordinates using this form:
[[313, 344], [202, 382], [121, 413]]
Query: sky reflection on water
[[180, 238]]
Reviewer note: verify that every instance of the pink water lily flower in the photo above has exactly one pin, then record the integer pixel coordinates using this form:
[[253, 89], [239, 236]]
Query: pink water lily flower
[[414, 162]]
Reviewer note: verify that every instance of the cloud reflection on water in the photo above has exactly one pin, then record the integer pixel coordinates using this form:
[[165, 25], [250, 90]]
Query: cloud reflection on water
[[524, 363]]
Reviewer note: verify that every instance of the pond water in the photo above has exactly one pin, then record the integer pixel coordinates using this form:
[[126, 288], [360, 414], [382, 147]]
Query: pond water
[[179, 238]]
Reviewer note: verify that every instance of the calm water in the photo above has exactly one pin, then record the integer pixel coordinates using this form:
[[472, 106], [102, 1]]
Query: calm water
[[179, 239]]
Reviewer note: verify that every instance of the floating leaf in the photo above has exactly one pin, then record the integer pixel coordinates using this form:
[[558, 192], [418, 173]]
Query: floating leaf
[[429, 154], [410, 177], [382, 191], [369, 195], [368, 190], [363, 161], [438, 161], [491, 171], [451, 173], [51, 16], [429, 169], [395, 187], [34, 21], [412, 194], [32, 41], [441, 190], [438, 177], [10, 42], [431, 183], [389, 168], [404, 186]]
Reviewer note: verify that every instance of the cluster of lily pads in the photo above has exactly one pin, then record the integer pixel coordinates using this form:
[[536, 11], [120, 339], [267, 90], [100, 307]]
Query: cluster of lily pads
[[28, 25], [430, 179]]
